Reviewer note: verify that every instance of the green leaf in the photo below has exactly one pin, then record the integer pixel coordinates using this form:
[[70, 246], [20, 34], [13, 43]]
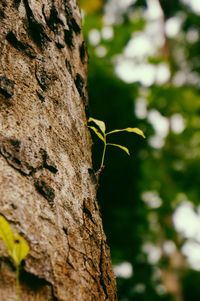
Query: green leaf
[[99, 123], [125, 149], [16, 245], [20, 249], [97, 133], [6, 234], [131, 130]]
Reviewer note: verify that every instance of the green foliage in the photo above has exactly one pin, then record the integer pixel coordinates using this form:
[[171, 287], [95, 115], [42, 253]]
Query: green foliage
[[16, 246], [100, 131], [166, 172]]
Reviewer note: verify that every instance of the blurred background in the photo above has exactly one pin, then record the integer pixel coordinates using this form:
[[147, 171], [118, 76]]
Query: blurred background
[[144, 71]]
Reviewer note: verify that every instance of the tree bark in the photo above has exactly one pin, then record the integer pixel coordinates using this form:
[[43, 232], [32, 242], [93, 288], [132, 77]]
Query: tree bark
[[47, 189]]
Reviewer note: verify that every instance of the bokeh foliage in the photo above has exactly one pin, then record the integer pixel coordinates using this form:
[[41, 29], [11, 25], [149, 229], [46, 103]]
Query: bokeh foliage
[[139, 195]]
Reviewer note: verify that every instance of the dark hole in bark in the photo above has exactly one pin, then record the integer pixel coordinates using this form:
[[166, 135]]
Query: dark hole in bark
[[45, 190], [68, 34], [2, 15], [6, 86], [36, 29], [54, 19], [47, 162], [27, 49], [79, 82], [82, 50], [16, 3]]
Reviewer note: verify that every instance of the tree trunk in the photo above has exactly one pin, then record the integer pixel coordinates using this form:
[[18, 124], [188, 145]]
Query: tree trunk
[[48, 192]]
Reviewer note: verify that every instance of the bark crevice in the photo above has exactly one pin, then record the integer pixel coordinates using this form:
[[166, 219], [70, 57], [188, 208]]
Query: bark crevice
[[35, 28]]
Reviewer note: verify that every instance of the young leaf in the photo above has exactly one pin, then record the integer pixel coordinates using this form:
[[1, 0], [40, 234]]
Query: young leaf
[[16, 245], [131, 130], [20, 249], [125, 149], [99, 123], [97, 133], [6, 234]]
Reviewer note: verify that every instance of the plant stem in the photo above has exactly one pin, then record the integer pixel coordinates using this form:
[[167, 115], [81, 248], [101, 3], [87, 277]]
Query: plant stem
[[17, 284], [103, 155]]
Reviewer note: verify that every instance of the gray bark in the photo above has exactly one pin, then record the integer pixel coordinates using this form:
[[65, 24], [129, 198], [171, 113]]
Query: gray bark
[[47, 192]]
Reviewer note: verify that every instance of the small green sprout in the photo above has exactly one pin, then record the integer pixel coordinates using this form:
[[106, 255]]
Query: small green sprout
[[100, 131], [16, 246]]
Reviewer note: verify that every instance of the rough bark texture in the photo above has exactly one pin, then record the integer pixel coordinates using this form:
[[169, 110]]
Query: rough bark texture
[[47, 190]]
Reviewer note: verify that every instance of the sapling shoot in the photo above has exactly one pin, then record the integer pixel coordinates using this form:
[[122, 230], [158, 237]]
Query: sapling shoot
[[100, 130]]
